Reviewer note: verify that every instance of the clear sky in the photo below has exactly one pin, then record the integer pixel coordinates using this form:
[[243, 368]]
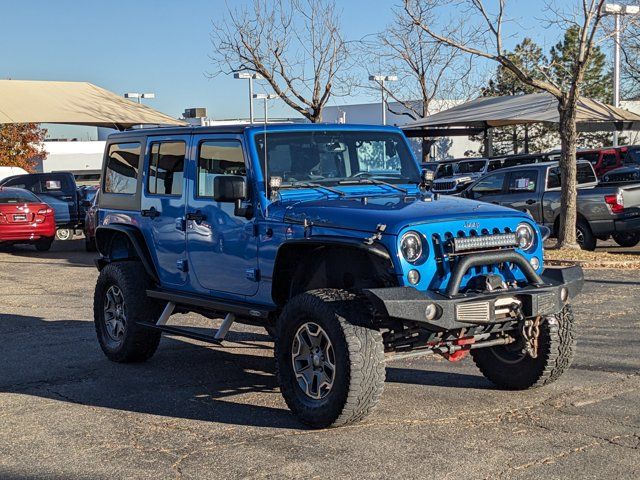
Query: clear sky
[[162, 46]]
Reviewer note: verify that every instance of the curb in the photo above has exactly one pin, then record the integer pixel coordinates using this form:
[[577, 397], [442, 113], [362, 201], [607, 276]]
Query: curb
[[593, 265]]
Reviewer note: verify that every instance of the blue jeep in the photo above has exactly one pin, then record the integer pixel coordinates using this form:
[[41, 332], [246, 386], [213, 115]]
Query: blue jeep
[[328, 237]]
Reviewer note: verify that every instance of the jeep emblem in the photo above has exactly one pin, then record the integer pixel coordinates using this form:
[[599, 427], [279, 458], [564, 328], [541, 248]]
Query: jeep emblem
[[471, 224]]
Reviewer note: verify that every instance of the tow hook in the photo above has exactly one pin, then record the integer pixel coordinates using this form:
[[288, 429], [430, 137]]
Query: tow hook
[[462, 352], [531, 334]]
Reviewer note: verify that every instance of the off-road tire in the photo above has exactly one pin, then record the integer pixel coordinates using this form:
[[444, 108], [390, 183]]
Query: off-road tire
[[359, 357], [43, 245], [589, 240], [138, 343], [627, 240], [555, 353]]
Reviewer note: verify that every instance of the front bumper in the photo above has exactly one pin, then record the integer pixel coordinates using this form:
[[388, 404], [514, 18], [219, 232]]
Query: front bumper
[[456, 311]]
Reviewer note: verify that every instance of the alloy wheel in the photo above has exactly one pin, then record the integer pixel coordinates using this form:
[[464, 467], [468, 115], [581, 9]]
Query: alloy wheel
[[313, 360], [115, 319]]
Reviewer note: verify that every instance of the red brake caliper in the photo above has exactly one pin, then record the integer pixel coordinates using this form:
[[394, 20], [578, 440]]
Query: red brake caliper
[[460, 354]]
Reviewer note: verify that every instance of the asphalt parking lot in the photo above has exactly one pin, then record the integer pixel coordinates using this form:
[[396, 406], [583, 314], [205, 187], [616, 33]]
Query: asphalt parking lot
[[201, 411]]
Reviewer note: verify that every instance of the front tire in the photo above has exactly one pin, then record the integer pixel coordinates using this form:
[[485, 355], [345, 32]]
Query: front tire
[[44, 244], [585, 237], [329, 358], [507, 367], [120, 302], [627, 240]]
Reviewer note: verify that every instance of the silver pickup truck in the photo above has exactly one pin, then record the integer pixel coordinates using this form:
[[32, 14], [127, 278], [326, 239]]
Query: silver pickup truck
[[603, 210]]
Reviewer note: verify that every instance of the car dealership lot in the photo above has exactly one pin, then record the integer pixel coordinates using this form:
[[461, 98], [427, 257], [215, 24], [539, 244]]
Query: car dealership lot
[[196, 411]]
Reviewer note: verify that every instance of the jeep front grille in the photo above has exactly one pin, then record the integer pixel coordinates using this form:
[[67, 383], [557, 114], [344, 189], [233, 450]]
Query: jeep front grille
[[443, 186]]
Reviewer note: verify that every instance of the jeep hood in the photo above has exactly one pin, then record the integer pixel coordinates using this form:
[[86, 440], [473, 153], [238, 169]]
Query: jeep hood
[[396, 212]]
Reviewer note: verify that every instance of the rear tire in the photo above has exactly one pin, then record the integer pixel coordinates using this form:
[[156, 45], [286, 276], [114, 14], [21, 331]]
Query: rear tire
[[120, 302], [44, 244], [343, 380], [585, 237], [510, 369], [90, 244], [628, 239]]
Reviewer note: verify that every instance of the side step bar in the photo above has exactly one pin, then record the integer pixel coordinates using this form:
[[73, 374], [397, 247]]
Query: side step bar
[[215, 305], [183, 332]]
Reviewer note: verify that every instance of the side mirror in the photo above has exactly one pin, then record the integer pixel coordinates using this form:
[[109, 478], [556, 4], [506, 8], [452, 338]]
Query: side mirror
[[229, 188]]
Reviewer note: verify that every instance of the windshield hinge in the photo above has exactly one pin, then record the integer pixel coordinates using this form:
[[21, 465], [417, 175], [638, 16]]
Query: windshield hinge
[[376, 236]]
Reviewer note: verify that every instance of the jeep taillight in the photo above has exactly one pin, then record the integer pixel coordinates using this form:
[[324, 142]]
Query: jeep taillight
[[615, 202], [42, 214]]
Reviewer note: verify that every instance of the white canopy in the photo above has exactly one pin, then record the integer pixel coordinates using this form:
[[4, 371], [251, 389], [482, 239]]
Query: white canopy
[[73, 103]]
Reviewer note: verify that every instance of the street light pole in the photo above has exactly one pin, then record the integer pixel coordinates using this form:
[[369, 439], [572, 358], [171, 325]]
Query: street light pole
[[617, 11], [139, 96], [251, 77], [381, 79]]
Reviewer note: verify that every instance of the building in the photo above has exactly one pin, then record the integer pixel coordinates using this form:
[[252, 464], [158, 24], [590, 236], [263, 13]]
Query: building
[[82, 158]]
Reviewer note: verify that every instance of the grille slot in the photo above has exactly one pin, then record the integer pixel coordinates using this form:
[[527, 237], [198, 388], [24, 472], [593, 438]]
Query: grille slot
[[474, 312], [443, 186]]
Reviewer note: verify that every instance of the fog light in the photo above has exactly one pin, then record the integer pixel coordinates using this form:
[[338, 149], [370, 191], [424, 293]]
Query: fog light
[[431, 311], [535, 263], [413, 276], [564, 295]]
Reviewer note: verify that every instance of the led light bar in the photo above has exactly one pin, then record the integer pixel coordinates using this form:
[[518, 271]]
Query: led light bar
[[485, 242]]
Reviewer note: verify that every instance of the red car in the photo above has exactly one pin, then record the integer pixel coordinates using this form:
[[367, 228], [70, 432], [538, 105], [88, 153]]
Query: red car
[[24, 218]]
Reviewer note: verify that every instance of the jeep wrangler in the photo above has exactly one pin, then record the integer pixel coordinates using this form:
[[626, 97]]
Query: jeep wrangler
[[329, 238]]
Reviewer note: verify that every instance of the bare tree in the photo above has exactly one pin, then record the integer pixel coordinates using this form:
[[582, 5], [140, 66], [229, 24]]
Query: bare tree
[[426, 69], [296, 45], [486, 40]]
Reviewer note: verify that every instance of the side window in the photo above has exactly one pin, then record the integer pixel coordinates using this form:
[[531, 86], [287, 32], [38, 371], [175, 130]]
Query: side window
[[218, 157], [524, 181], [553, 178], [609, 160], [491, 184], [589, 156], [121, 172], [166, 168]]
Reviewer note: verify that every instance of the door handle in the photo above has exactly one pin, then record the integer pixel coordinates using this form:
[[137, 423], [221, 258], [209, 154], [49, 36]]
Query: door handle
[[531, 201], [196, 216], [151, 213]]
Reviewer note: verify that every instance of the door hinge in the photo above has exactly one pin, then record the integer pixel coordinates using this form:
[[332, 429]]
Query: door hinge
[[183, 265], [253, 274]]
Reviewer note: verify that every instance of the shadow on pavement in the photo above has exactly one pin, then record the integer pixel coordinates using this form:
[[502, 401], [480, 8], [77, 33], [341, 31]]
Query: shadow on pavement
[[71, 251]]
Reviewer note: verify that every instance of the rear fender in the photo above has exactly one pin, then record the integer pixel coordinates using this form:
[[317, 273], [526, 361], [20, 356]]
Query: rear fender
[[123, 242]]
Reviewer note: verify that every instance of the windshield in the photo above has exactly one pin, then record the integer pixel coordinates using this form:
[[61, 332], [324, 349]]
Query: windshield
[[472, 166], [330, 157]]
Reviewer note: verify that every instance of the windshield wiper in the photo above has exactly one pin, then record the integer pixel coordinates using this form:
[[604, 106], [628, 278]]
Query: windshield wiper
[[371, 181], [313, 185]]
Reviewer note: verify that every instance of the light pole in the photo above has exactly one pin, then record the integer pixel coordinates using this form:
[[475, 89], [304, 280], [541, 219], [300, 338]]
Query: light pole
[[251, 77], [266, 98], [139, 96], [380, 80], [617, 11]]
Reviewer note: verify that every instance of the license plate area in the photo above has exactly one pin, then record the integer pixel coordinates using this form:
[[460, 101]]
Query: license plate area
[[19, 217]]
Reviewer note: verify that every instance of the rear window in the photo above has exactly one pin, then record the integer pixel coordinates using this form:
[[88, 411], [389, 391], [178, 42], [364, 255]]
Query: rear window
[[17, 196], [524, 181], [43, 183], [121, 172]]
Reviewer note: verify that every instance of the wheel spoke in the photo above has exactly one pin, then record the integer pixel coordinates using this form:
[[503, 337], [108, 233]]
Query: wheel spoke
[[313, 360]]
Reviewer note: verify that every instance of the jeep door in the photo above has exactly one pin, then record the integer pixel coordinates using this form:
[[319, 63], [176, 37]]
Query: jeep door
[[162, 206], [222, 247]]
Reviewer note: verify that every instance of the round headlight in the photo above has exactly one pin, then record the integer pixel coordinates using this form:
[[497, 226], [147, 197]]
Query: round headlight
[[526, 236], [411, 246]]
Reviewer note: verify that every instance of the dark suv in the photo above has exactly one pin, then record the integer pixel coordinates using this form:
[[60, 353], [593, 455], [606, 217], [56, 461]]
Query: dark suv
[[328, 237]]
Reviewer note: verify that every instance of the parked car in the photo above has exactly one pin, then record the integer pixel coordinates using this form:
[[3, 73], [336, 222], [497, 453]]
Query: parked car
[[24, 218], [603, 211], [630, 169], [341, 260], [604, 160], [454, 176], [59, 191], [90, 205], [11, 171]]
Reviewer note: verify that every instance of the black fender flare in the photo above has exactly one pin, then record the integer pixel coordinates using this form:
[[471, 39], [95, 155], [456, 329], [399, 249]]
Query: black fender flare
[[375, 249], [104, 235]]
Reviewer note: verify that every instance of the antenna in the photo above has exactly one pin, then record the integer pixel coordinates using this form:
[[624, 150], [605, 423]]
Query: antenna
[[266, 98]]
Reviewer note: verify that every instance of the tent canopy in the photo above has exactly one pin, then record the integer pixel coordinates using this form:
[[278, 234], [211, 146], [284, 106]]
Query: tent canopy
[[486, 112], [73, 103]]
